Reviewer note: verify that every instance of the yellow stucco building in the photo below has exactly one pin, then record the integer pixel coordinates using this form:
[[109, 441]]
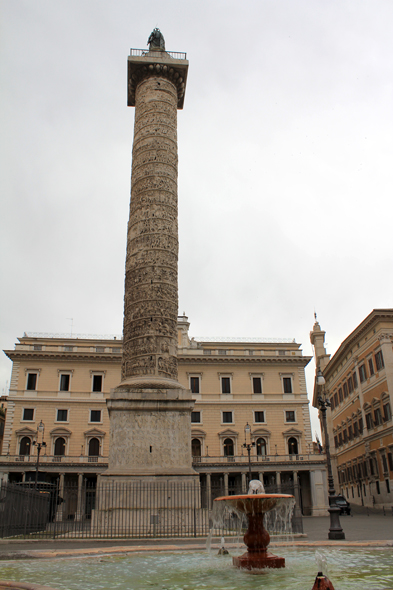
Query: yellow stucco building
[[64, 383], [359, 385]]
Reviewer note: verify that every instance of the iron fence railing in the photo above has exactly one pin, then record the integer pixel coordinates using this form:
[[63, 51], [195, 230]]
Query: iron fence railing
[[143, 52], [120, 509]]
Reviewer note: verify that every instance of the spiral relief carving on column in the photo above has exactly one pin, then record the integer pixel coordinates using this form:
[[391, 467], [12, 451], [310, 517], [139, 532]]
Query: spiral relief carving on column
[[151, 291]]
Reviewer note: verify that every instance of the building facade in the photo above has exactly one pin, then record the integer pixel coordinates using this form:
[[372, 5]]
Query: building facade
[[359, 385], [65, 382]]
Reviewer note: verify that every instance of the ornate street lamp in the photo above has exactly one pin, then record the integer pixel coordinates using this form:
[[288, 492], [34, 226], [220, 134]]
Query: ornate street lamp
[[41, 429], [247, 445], [335, 530]]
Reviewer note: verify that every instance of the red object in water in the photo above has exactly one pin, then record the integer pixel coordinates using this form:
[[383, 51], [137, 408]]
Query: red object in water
[[256, 538], [322, 583]]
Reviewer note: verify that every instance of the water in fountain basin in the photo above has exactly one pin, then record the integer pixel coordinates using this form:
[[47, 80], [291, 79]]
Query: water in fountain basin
[[349, 569]]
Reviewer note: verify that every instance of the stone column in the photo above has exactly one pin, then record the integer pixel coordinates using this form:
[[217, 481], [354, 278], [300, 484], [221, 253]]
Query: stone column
[[209, 490], [244, 484], [226, 487], [150, 412], [278, 481], [79, 509], [60, 507]]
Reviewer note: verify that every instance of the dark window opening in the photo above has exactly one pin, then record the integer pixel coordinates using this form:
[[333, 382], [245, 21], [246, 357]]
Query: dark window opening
[[290, 416], [24, 447], [196, 417], [196, 448], [292, 446], [287, 384], [95, 415], [31, 381], [225, 385], [28, 414], [257, 384], [60, 447], [64, 382], [62, 415], [259, 416], [228, 447], [194, 384], [261, 446], [97, 382], [227, 417], [94, 447]]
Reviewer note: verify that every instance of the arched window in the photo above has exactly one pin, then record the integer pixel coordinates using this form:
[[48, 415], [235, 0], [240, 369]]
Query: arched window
[[261, 446], [60, 447], [24, 448], [196, 447], [292, 446], [228, 447], [94, 447]]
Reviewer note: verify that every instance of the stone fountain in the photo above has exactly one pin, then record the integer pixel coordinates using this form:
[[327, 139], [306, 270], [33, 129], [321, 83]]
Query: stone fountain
[[255, 505]]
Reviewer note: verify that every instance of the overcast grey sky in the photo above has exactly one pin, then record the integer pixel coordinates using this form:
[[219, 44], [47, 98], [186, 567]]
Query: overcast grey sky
[[285, 164]]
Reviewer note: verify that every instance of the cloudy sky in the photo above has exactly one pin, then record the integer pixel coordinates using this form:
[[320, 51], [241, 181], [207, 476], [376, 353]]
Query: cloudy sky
[[285, 164]]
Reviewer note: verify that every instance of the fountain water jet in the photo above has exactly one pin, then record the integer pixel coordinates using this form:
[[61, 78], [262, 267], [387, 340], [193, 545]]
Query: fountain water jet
[[254, 506]]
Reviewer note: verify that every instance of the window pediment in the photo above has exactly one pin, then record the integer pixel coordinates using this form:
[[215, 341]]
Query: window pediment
[[261, 432], [292, 432], [198, 432], [94, 432], [26, 431], [60, 432], [228, 432]]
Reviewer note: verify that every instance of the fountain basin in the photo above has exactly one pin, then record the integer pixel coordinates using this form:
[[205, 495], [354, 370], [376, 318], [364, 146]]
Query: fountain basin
[[256, 538]]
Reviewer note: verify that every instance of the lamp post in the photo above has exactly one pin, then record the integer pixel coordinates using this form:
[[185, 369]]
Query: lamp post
[[335, 530], [247, 445], [41, 429]]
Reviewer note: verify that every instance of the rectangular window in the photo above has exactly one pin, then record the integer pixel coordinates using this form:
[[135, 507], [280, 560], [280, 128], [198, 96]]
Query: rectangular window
[[221, 351], [290, 416], [64, 382], [384, 463], [345, 436], [332, 402], [225, 385], [37, 347], [227, 417], [194, 385], [371, 366], [340, 438], [28, 414], [345, 386], [287, 384], [257, 384], [335, 400], [362, 373], [100, 349], [196, 417], [390, 459], [361, 425], [340, 394], [116, 350], [68, 348], [62, 415], [369, 421], [97, 382], [377, 417], [378, 488], [336, 442], [31, 381], [355, 380], [350, 385], [387, 413], [379, 360], [355, 429], [259, 416], [350, 433], [95, 415]]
